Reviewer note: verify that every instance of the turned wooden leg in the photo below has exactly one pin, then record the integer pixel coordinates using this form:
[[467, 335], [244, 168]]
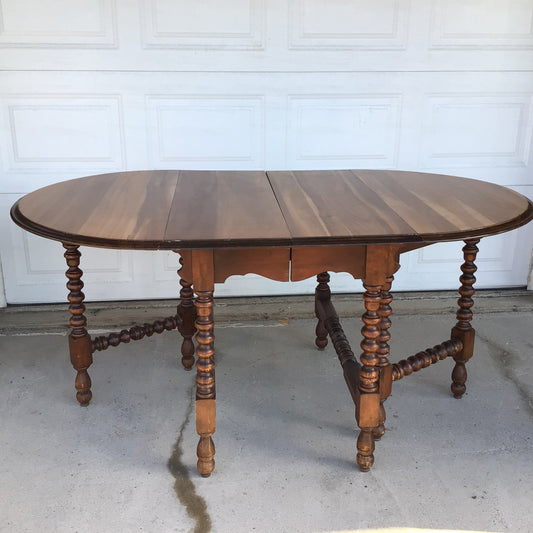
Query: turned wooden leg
[[322, 293], [368, 408], [205, 383], [187, 312], [463, 330], [383, 350], [80, 345], [205, 364]]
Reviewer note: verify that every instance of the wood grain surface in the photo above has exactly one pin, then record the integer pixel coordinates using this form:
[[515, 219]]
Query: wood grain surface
[[170, 209], [224, 206]]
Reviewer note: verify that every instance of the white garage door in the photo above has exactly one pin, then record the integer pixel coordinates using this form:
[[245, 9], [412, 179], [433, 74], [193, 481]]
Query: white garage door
[[99, 86]]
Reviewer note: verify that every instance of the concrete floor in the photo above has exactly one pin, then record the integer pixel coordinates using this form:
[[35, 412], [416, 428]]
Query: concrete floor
[[285, 435]]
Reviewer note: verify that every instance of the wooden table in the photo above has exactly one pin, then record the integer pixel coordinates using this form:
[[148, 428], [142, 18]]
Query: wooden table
[[284, 226]]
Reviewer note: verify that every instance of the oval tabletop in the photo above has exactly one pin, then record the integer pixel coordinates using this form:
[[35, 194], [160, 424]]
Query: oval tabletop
[[171, 209]]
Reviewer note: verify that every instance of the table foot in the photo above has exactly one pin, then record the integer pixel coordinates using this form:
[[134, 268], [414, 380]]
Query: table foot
[[206, 456], [81, 359], [80, 345], [365, 449], [83, 387], [205, 427], [459, 377], [187, 313], [323, 294], [463, 329]]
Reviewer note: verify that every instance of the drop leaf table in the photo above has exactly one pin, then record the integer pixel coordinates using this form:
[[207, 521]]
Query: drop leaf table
[[284, 225]]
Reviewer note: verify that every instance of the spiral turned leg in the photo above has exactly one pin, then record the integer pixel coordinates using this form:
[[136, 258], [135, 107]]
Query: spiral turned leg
[[368, 412], [187, 312], [383, 350], [205, 383], [463, 330], [80, 345], [322, 293]]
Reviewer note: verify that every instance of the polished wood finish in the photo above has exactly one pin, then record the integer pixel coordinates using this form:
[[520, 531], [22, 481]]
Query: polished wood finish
[[159, 209], [383, 350], [369, 358], [205, 427], [187, 312], [236, 208], [381, 263], [135, 333], [272, 263], [463, 329], [425, 358], [372, 206], [322, 295], [122, 210], [204, 284], [308, 261], [350, 366], [335, 204], [80, 346], [440, 207], [369, 375], [282, 225]]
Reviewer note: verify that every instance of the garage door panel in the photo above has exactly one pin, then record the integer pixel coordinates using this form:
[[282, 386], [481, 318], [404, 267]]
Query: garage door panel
[[176, 24], [343, 130], [476, 130], [216, 131], [348, 25], [63, 131], [58, 23], [494, 24]]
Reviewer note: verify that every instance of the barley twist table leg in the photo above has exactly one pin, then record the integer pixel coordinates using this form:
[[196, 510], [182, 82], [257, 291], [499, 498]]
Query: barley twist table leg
[[463, 330], [323, 293], [205, 382], [369, 401], [383, 350], [187, 312], [80, 346]]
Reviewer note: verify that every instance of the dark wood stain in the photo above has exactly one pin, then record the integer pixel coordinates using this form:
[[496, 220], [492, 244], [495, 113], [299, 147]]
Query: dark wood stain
[[171, 209], [335, 203], [230, 205]]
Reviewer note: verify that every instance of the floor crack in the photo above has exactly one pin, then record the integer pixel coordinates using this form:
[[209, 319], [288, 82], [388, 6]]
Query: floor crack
[[194, 504], [503, 359]]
